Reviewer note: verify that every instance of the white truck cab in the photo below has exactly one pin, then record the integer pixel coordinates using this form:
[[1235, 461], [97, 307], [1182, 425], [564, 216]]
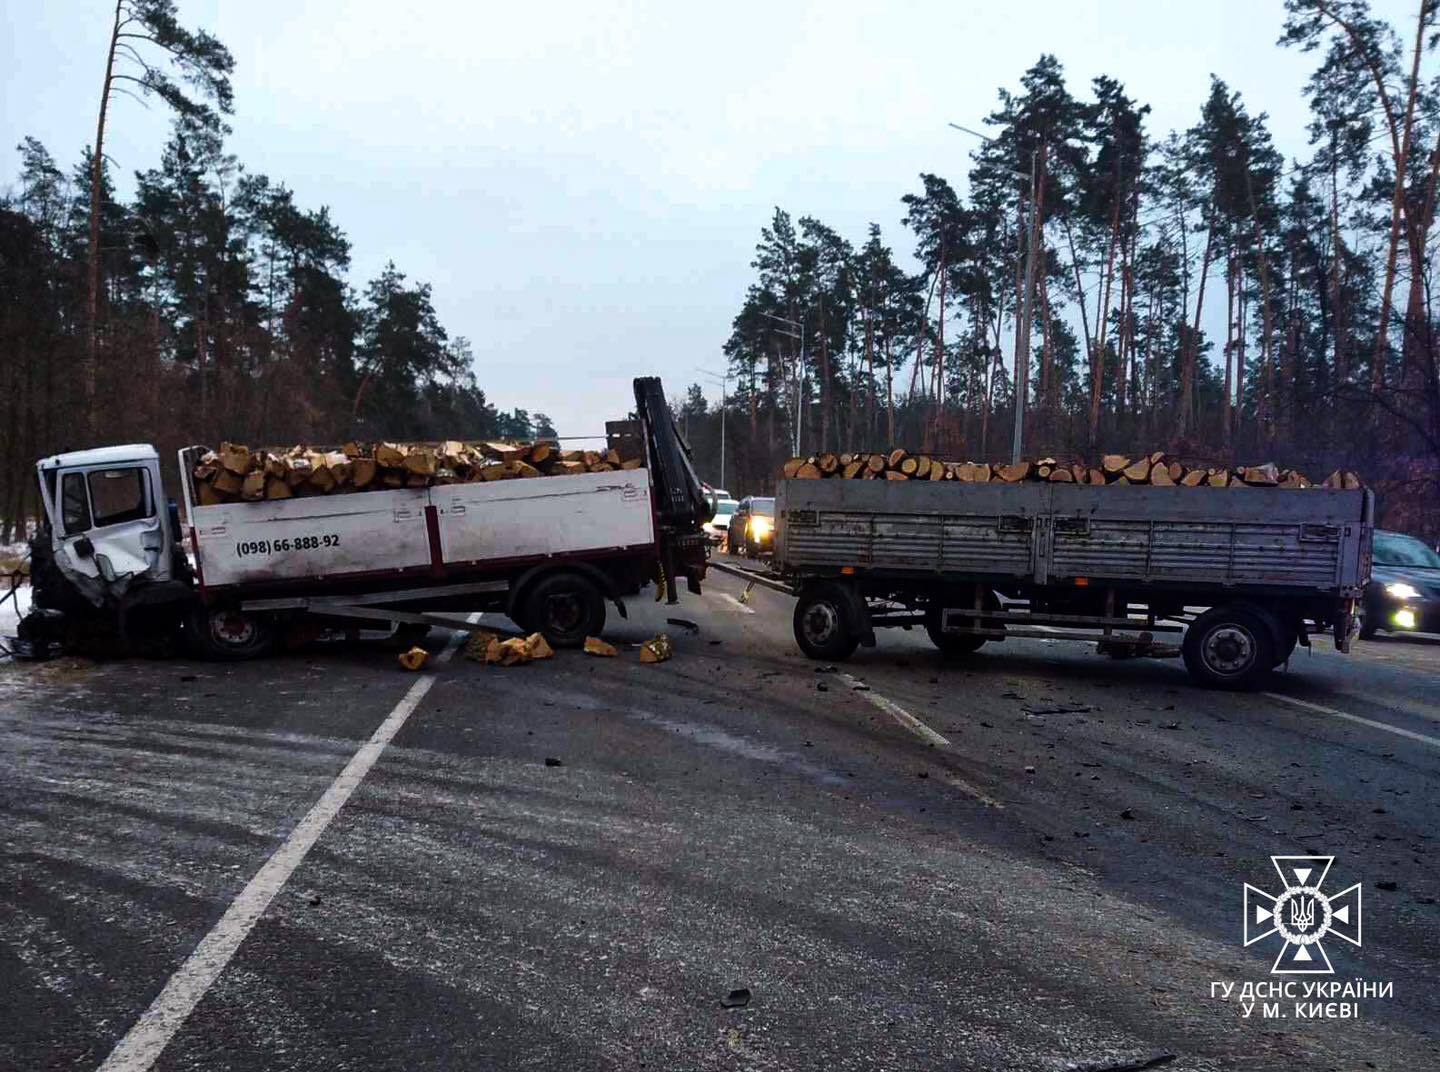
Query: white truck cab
[[110, 527]]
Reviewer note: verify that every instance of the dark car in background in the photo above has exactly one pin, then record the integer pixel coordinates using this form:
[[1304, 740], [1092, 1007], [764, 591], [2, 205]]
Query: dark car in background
[[752, 527], [1404, 591]]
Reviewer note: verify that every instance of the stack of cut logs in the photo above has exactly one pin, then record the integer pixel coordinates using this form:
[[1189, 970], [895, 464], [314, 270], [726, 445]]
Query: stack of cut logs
[[236, 473], [1157, 469]]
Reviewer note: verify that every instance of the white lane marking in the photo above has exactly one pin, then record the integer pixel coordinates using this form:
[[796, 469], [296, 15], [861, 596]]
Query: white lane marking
[[143, 1043], [1434, 742], [898, 713], [738, 605]]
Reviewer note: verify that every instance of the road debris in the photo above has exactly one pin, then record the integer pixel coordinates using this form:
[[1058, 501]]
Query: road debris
[[737, 998], [745, 595], [552, 761], [596, 646], [684, 623], [1121, 1064], [414, 659], [656, 650], [486, 647]]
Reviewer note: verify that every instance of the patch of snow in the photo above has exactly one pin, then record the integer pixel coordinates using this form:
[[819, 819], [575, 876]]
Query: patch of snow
[[13, 609]]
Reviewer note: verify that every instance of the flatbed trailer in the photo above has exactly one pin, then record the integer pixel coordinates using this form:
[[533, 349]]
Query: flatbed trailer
[[549, 552], [1244, 574]]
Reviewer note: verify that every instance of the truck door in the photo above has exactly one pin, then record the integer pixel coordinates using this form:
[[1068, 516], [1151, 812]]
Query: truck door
[[110, 528]]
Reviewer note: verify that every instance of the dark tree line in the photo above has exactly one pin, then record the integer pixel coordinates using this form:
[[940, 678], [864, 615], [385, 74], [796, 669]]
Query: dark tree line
[[207, 305], [1194, 291]]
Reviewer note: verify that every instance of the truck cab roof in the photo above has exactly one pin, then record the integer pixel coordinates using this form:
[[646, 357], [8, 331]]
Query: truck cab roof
[[129, 452]]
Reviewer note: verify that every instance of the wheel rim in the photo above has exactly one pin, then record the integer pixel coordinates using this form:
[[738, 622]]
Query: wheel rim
[[821, 623], [232, 629], [1229, 650], [564, 612]]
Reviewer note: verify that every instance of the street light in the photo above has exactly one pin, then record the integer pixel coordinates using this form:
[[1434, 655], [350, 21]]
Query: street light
[[799, 325], [722, 381], [1027, 304]]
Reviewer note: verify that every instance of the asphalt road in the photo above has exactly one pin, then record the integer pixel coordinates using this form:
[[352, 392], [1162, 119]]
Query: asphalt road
[[1029, 858]]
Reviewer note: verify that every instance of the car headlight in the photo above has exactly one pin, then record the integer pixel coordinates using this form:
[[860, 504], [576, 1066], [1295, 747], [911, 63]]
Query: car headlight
[[760, 527], [1401, 590]]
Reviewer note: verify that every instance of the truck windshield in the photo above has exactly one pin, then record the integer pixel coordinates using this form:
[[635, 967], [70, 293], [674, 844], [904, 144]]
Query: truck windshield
[[1392, 549]]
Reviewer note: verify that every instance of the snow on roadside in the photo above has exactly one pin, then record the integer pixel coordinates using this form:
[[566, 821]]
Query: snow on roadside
[[13, 609]]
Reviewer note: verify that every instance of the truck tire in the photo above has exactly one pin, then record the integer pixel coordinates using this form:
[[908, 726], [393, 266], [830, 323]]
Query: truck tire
[[1229, 648], [824, 628], [954, 643], [566, 607], [229, 635]]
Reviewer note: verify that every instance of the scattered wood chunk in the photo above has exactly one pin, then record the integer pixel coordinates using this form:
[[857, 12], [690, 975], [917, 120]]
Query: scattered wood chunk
[[656, 650], [414, 659], [596, 646]]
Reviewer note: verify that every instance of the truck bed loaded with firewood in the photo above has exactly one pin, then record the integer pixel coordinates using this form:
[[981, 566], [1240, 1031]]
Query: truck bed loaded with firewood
[[1132, 552], [370, 534]]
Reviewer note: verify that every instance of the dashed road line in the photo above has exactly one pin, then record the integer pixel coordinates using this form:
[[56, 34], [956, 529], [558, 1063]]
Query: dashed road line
[[144, 1042], [895, 711], [728, 598], [1433, 742]]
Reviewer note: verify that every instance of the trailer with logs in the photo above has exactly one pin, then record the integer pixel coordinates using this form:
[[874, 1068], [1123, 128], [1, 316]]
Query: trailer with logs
[[1126, 559], [396, 536]]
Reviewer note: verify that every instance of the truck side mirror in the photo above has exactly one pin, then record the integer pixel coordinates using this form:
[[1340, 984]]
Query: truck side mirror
[[83, 547]]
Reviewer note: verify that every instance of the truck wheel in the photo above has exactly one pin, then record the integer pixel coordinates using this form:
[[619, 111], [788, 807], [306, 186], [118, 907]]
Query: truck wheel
[[229, 634], [1369, 623], [1287, 646], [566, 607], [823, 628], [954, 643], [1229, 648]]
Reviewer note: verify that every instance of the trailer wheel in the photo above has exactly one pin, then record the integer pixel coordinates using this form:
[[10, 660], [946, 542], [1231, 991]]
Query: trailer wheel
[[823, 625], [1229, 648], [566, 607], [954, 643], [229, 634]]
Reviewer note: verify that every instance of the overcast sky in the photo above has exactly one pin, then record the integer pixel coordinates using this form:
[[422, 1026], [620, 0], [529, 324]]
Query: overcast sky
[[583, 183]]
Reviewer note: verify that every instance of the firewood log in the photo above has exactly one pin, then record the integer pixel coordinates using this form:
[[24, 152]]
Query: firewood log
[[895, 474], [276, 488], [235, 458], [1114, 464], [1160, 476], [1138, 472], [1061, 475], [852, 469], [1013, 473], [1177, 472], [227, 483], [505, 452], [390, 455], [1194, 478], [935, 470], [828, 463], [252, 487], [1095, 476], [808, 471], [896, 457], [875, 464], [1266, 475], [909, 465], [362, 472]]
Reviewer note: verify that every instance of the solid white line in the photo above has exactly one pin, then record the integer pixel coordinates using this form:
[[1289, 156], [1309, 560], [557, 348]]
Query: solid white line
[[898, 713], [1433, 742], [143, 1043], [739, 606]]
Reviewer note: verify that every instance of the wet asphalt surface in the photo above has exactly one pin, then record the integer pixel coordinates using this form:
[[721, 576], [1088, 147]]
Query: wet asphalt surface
[[1057, 886]]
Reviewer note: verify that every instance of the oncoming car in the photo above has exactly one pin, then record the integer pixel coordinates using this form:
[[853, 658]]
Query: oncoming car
[[752, 527], [1404, 591], [717, 529]]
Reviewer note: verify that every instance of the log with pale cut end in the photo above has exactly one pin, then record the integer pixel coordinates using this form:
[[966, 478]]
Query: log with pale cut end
[[1160, 476], [790, 468], [1217, 478], [252, 488], [353, 450], [656, 650], [936, 471], [507, 452], [909, 465], [362, 472], [828, 463], [1095, 476], [1137, 472], [421, 461], [852, 469], [875, 464], [1193, 479], [895, 458], [1079, 474], [1061, 475], [1014, 472], [208, 496], [227, 483], [1177, 472], [895, 474], [808, 471], [596, 646], [542, 453], [1114, 464]]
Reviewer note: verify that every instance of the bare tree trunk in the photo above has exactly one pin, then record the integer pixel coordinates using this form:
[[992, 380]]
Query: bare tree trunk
[[90, 371], [889, 391], [1189, 355]]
